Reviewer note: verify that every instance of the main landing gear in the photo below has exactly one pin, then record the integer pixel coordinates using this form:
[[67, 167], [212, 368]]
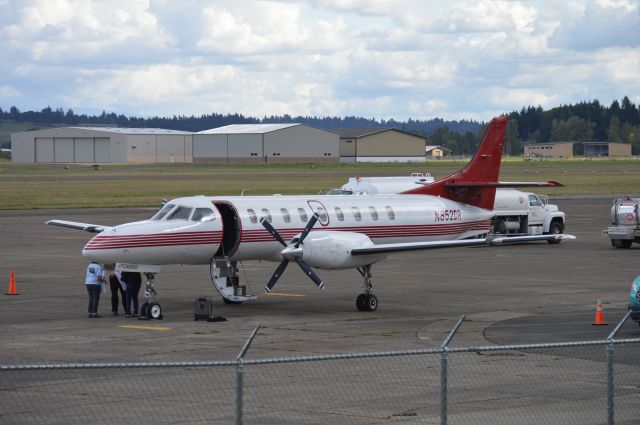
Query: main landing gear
[[366, 301], [150, 308]]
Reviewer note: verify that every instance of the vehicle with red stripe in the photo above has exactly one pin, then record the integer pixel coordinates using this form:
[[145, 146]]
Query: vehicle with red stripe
[[316, 232]]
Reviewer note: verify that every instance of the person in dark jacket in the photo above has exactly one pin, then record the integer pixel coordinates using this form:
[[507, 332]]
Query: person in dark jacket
[[117, 286], [133, 281]]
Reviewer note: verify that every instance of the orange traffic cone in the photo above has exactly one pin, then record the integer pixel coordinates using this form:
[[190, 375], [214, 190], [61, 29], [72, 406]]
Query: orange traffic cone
[[599, 313], [12, 285]]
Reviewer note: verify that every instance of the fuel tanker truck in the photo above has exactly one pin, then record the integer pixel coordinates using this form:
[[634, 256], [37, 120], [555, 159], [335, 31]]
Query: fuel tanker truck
[[517, 213], [625, 222]]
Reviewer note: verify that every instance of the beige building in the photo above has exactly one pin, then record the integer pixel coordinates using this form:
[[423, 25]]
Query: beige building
[[252, 143], [549, 150], [380, 145], [607, 149], [436, 151], [101, 145]]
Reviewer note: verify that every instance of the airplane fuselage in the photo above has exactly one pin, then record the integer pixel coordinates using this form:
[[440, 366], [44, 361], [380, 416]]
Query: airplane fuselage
[[192, 230]]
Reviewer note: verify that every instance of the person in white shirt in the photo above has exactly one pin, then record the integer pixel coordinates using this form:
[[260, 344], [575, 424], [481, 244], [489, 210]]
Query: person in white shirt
[[93, 282]]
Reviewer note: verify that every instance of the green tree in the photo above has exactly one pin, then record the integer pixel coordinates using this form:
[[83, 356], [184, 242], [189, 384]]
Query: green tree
[[512, 141], [614, 133]]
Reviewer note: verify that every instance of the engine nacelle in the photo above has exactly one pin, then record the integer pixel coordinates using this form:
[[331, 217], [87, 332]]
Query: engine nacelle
[[332, 250]]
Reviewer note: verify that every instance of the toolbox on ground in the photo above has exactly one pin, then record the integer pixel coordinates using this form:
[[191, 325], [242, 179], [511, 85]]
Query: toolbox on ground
[[203, 309]]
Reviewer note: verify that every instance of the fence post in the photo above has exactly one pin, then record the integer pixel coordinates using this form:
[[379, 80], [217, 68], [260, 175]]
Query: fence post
[[610, 410], [444, 373], [240, 376], [239, 390], [610, 383], [443, 386]]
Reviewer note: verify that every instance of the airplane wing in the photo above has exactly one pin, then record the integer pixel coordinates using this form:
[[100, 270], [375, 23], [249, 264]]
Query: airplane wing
[[413, 246], [92, 228]]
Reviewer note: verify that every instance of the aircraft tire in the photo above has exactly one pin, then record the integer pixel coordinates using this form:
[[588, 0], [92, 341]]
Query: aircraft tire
[[143, 309], [360, 305], [371, 302], [230, 302], [154, 311]]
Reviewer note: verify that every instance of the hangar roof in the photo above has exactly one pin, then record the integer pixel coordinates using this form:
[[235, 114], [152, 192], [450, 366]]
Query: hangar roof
[[131, 130], [354, 133], [248, 128]]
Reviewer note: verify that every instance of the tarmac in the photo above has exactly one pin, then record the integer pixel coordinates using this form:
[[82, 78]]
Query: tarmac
[[528, 293]]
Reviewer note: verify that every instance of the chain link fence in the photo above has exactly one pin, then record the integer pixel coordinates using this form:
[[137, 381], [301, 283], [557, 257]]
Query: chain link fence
[[588, 382]]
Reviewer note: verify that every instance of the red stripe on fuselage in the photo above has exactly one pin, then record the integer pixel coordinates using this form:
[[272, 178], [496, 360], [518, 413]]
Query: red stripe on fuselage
[[152, 240], [378, 231]]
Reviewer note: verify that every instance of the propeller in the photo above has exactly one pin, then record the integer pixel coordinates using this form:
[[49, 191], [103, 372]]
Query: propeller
[[292, 252]]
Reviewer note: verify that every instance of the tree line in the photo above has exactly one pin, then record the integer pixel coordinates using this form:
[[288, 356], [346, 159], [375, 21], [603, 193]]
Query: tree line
[[59, 116], [582, 122]]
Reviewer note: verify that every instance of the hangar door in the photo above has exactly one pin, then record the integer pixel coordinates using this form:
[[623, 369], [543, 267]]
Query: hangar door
[[44, 149], [102, 147], [63, 150]]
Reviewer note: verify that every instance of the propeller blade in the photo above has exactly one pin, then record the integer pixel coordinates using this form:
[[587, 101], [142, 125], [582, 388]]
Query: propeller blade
[[309, 272], [276, 275], [307, 229], [272, 230]]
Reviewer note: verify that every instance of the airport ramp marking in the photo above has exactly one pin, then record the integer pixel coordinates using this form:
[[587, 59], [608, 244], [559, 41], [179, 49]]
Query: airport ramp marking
[[148, 328], [283, 294]]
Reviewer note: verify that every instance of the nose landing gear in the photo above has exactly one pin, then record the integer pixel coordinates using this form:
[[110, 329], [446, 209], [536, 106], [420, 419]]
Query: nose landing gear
[[150, 308]]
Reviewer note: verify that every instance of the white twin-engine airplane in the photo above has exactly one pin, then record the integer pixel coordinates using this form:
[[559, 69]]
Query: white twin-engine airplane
[[318, 231]]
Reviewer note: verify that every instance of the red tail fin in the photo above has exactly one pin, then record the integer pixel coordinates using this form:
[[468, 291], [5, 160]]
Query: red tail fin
[[476, 183]]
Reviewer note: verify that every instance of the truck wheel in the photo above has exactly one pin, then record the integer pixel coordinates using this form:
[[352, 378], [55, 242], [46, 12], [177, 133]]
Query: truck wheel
[[626, 243], [556, 228], [616, 243]]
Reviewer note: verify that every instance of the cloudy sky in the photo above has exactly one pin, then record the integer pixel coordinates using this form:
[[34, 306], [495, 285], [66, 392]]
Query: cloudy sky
[[372, 58]]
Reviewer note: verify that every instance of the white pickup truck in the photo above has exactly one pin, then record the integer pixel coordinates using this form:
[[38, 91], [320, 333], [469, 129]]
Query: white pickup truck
[[517, 213]]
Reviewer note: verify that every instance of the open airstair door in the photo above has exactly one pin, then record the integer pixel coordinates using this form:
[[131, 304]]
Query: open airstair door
[[224, 272], [231, 228]]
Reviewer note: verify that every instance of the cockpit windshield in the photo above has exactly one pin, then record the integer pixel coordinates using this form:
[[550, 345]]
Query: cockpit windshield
[[180, 213], [339, 192], [203, 214], [163, 211]]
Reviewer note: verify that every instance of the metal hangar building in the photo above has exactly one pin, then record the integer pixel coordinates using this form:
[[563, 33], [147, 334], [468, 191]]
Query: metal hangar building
[[380, 145], [254, 143], [102, 145]]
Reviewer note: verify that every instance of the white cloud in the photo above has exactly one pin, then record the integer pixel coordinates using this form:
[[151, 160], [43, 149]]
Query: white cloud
[[383, 58], [8, 92]]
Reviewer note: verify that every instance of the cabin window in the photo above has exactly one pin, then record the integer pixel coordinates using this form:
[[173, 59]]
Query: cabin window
[[285, 215], [180, 213], [374, 213], [303, 215], [252, 215], [163, 211], [356, 213], [339, 214], [390, 213], [266, 215], [203, 214], [322, 214]]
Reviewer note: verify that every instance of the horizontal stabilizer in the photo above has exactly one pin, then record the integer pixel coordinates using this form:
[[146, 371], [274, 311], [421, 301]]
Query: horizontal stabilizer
[[91, 228], [550, 183], [414, 246]]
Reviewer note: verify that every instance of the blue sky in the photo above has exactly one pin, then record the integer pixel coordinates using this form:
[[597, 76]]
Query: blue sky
[[377, 59]]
